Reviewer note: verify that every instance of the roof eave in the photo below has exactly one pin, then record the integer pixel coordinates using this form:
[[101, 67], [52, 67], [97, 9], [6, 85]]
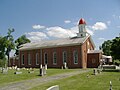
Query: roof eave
[[50, 46]]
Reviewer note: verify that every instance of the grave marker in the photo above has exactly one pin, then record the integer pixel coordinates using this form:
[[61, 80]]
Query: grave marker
[[56, 87], [18, 73], [110, 85], [41, 70]]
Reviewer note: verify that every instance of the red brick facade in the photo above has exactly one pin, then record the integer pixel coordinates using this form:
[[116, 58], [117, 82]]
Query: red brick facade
[[94, 60], [59, 51]]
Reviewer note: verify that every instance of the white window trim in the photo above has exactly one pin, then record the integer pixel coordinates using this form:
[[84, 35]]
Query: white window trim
[[29, 59], [54, 58], [64, 57], [44, 58], [22, 59], [37, 58], [74, 56]]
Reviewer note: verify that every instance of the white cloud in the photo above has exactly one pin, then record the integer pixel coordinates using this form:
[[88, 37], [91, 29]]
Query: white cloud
[[67, 21], [36, 36], [60, 32], [38, 27], [99, 26]]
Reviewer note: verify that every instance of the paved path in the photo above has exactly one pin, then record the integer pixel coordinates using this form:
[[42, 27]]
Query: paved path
[[28, 84]]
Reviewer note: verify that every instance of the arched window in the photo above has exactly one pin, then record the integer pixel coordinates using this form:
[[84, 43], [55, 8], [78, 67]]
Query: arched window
[[22, 59], [64, 57], [37, 59], [75, 56], [29, 59], [45, 58], [54, 58]]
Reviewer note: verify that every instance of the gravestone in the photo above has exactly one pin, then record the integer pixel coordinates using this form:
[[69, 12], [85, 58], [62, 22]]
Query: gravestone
[[41, 70], [4, 70], [40, 65], [44, 71], [110, 85], [65, 65], [45, 66], [9, 67], [94, 71], [17, 69], [18, 72], [56, 87]]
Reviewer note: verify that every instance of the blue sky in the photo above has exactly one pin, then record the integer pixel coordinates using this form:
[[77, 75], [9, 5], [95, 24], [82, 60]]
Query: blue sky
[[52, 19]]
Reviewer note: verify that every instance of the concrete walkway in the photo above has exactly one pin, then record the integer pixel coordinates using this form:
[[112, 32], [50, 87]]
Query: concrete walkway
[[28, 84]]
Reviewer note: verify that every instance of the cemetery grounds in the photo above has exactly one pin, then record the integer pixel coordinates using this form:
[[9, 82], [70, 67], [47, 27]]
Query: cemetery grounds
[[82, 81]]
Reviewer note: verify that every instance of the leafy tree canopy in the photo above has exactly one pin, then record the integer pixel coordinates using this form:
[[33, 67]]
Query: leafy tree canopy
[[112, 47], [21, 40], [115, 48]]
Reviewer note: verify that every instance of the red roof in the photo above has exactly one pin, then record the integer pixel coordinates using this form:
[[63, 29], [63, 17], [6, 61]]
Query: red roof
[[82, 21]]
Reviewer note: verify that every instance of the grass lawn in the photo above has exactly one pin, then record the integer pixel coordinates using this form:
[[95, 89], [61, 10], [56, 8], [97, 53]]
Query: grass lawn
[[82, 82], [11, 77]]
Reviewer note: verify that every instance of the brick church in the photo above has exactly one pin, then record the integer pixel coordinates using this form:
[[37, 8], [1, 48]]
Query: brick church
[[76, 52]]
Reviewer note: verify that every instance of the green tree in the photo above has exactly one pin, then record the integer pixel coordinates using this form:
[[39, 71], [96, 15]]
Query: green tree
[[6, 45], [2, 47], [21, 40], [115, 48], [9, 43], [106, 47]]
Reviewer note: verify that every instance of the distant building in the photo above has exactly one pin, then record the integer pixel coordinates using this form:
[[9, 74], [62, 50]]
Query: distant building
[[76, 52], [107, 59]]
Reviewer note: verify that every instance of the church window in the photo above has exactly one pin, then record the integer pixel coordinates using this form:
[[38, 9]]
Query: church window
[[22, 59], [29, 59], [45, 58], [64, 57], [37, 59], [54, 58], [75, 57]]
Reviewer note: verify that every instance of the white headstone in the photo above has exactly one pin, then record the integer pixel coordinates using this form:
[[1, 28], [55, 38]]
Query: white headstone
[[45, 66], [56, 87]]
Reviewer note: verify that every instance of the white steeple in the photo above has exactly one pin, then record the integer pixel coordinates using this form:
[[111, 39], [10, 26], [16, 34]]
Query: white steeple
[[82, 28]]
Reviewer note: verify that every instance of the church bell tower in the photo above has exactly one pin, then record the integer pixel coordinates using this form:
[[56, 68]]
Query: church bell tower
[[82, 28]]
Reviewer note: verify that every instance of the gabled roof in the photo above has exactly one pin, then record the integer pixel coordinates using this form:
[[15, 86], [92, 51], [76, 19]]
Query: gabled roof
[[104, 56], [55, 43], [95, 51]]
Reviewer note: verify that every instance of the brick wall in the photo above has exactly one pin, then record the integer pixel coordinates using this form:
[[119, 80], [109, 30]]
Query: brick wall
[[93, 60], [59, 51]]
